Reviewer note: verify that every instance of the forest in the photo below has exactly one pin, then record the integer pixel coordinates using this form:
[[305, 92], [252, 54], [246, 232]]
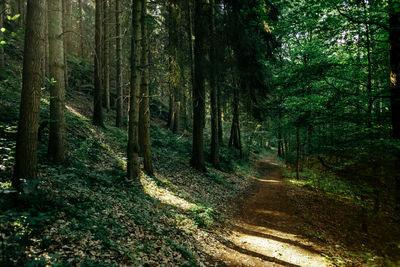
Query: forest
[[199, 133]]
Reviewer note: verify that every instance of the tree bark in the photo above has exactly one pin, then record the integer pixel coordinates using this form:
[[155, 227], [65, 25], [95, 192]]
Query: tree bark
[[32, 85], [145, 99], [297, 153], [235, 139], [394, 37], [56, 149], [133, 144], [119, 82], [213, 93], [200, 25], [66, 36], [81, 30], [2, 60], [98, 85], [106, 54]]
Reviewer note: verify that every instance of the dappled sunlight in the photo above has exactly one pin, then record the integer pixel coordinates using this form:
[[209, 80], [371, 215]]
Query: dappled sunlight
[[266, 233], [165, 196], [75, 112]]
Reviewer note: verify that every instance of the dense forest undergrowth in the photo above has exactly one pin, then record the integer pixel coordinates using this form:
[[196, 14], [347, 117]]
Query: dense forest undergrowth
[[87, 212]]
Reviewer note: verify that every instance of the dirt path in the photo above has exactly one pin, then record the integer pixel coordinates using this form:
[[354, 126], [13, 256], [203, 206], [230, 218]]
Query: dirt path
[[267, 232]]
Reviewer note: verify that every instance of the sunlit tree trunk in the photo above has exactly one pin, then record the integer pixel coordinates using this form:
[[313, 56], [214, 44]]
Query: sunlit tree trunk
[[144, 127], [56, 149], [98, 85], [133, 144], [32, 85]]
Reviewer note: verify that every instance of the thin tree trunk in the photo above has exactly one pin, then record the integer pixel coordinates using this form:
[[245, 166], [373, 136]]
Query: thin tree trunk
[[297, 153], [66, 36], [32, 84], [81, 30], [200, 25], [106, 54], [191, 56], [213, 93], [394, 37], [56, 147], [144, 104], [133, 144], [98, 85], [2, 60], [119, 82], [235, 129], [220, 125]]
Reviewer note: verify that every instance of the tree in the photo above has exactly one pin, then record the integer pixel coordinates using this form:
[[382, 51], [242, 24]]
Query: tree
[[106, 53], [56, 147], [394, 37], [2, 60], [98, 84], [118, 40], [133, 124], [32, 84], [144, 116], [200, 30], [214, 91]]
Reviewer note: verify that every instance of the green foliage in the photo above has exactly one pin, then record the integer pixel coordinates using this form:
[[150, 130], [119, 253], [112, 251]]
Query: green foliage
[[203, 216], [80, 74]]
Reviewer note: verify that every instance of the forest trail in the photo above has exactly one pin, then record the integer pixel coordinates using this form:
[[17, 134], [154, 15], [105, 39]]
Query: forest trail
[[266, 232]]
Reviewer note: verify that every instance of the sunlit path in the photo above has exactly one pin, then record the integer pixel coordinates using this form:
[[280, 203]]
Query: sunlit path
[[266, 232]]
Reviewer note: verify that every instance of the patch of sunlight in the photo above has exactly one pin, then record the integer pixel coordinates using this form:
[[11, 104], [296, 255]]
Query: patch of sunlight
[[263, 180], [76, 113], [272, 212], [165, 196], [120, 160], [297, 182], [5, 185], [283, 251]]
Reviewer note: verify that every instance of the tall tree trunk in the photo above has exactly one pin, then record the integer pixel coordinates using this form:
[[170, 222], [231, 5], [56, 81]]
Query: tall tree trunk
[[235, 129], [200, 28], [32, 84], [56, 147], [394, 36], [220, 125], [213, 93], [67, 36], [191, 56], [144, 126], [120, 96], [2, 60], [297, 153], [98, 85], [106, 54], [81, 30], [133, 144]]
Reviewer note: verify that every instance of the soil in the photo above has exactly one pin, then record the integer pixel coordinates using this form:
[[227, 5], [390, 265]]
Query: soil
[[266, 232], [280, 224]]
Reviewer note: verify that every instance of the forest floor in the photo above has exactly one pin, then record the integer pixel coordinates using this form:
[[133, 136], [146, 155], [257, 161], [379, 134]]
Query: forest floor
[[266, 232], [280, 224]]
